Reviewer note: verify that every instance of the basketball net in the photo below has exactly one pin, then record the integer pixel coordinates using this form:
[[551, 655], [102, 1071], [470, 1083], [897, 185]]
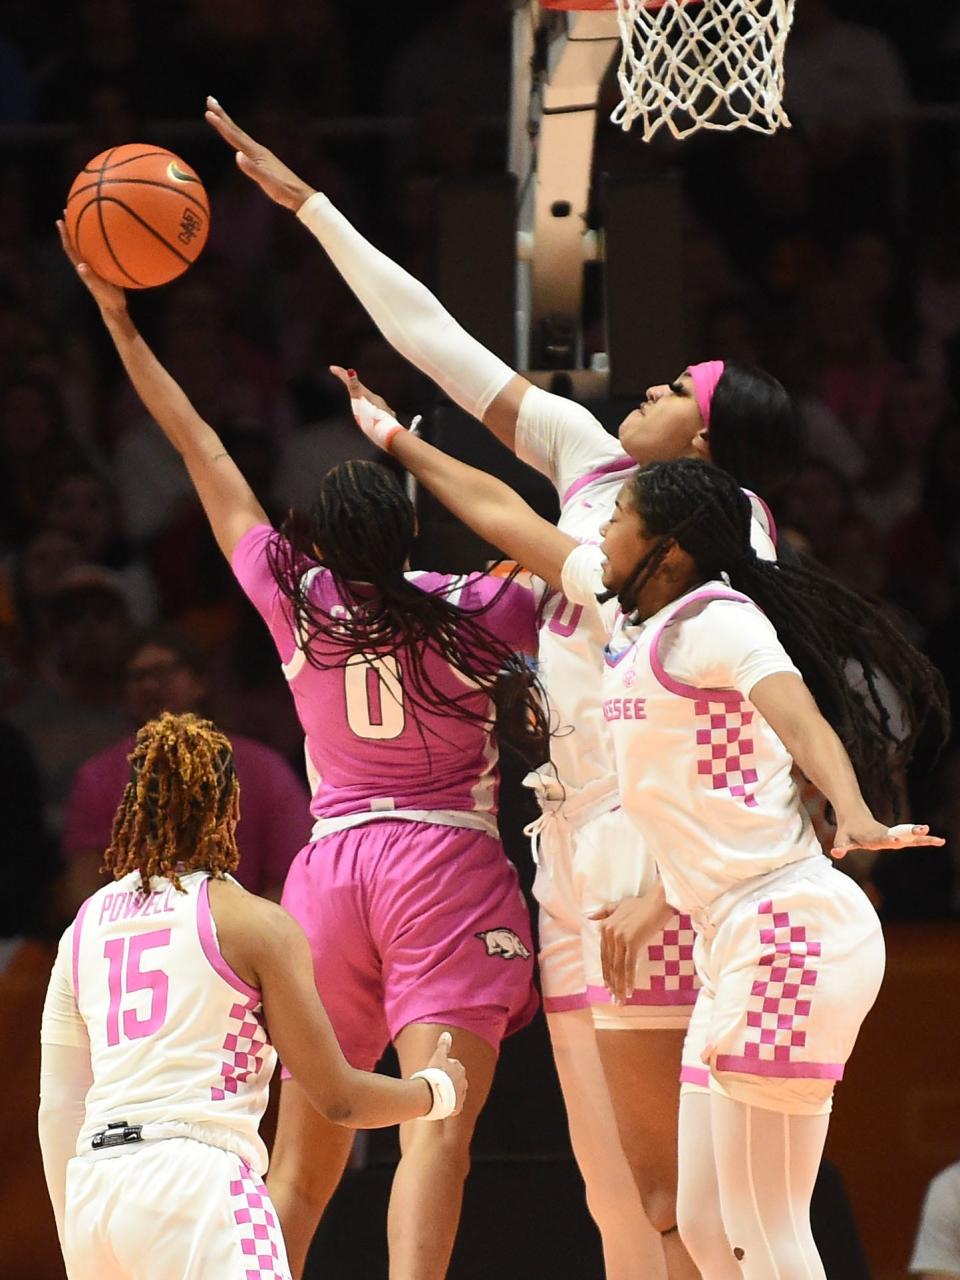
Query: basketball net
[[711, 65]]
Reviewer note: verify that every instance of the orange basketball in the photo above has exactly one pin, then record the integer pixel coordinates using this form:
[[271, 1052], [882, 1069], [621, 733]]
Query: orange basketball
[[138, 215]]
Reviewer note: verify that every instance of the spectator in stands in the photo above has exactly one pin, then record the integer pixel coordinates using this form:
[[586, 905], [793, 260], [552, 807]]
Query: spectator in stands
[[82, 503], [936, 1251], [28, 590], [74, 708], [165, 673], [841, 74], [27, 951]]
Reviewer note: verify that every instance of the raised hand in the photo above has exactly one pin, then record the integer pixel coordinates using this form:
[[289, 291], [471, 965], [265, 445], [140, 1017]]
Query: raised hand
[[356, 389], [874, 835], [109, 297], [452, 1066], [258, 163]]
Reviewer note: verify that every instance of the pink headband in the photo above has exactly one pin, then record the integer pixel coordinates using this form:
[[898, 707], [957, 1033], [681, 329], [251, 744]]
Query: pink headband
[[705, 378]]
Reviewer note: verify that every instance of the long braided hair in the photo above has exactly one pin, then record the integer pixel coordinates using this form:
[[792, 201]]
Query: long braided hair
[[823, 626], [364, 525], [180, 808]]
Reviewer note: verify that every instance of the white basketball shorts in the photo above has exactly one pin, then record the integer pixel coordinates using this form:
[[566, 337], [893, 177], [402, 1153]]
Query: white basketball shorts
[[176, 1207], [580, 869], [788, 978]]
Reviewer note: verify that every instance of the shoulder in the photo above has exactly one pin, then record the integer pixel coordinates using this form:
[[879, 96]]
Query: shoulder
[[111, 758], [251, 930], [249, 753]]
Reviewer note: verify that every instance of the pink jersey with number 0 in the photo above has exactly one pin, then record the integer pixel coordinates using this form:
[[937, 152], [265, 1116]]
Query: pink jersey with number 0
[[370, 747]]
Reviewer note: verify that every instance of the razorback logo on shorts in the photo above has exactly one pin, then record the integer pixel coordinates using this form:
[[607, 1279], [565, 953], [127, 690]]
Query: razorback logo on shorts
[[505, 943]]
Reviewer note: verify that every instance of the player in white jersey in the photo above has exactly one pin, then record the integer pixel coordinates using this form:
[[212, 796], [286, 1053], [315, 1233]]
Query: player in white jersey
[[588, 856], [156, 1053], [710, 706]]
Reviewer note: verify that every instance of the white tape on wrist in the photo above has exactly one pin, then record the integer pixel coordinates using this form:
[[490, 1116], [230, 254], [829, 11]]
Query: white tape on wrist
[[444, 1093], [375, 424]]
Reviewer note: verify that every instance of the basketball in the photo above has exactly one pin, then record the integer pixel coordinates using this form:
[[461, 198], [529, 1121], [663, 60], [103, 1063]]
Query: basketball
[[138, 215]]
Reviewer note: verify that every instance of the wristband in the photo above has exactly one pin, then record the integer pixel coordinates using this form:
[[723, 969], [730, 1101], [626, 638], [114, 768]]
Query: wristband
[[442, 1088], [375, 424]]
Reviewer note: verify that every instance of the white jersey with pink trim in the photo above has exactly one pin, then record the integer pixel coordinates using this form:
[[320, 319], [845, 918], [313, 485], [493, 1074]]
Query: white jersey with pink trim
[[176, 1037], [702, 774], [370, 750], [588, 466]]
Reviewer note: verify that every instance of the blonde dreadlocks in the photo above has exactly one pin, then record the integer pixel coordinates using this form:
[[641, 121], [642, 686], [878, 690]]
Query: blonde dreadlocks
[[180, 808]]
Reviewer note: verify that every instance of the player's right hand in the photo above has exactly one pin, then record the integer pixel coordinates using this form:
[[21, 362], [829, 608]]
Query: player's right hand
[[452, 1066], [270, 174], [109, 297], [626, 927]]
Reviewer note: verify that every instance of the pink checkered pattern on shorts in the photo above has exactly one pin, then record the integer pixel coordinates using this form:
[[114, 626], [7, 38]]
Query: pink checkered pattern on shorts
[[260, 1239], [243, 1044], [727, 752], [671, 965], [780, 1003]]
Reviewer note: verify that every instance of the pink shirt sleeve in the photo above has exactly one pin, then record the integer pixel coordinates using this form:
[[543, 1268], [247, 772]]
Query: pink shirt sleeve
[[512, 616], [251, 567], [286, 820], [96, 791]]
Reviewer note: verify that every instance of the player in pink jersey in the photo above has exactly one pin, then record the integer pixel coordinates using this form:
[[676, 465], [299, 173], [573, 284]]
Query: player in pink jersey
[[588, 854], [156, 1054], [712, 700], [413, 912]]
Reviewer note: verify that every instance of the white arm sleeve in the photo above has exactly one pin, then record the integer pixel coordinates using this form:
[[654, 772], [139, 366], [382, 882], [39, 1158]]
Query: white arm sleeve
[[408, 315], [562, 439], [582, 582], [65, 1078]]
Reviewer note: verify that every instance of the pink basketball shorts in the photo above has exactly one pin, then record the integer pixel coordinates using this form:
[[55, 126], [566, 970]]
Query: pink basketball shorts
[[413, 922]]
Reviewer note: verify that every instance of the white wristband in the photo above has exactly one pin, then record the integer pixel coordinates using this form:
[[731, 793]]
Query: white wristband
[[444, 1094]]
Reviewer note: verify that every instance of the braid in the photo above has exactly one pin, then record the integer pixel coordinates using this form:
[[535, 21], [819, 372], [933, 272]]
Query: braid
[[364, 526], [180, 809], [824, 627]]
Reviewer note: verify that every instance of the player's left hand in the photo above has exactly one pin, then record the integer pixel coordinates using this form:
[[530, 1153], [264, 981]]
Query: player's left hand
[[875, 835], [108, 297], [626, 927], [356, 390]]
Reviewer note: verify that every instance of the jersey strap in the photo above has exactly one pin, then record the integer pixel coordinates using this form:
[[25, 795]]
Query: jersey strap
[[626, 463], [656, 663]]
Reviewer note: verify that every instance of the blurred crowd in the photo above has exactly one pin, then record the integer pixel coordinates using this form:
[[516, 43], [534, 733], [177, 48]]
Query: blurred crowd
[[829, 254]]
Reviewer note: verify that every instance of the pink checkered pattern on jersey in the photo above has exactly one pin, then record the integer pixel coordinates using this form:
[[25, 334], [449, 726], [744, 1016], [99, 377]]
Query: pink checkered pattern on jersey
[[726, 753], [780, 1002], [260, 1240], [243, 1044], [671, 966]]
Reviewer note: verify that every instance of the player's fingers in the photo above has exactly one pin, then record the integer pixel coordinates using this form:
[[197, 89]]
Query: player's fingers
[[617, 969], [225, 125], [629, 969], [444, 1042], [340, 374], [602, 913], [65, 241]]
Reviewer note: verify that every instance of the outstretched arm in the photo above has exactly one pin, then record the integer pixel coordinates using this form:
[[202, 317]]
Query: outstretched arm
[[408, 315], [485, 504], [789, 708], [231, 506]]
